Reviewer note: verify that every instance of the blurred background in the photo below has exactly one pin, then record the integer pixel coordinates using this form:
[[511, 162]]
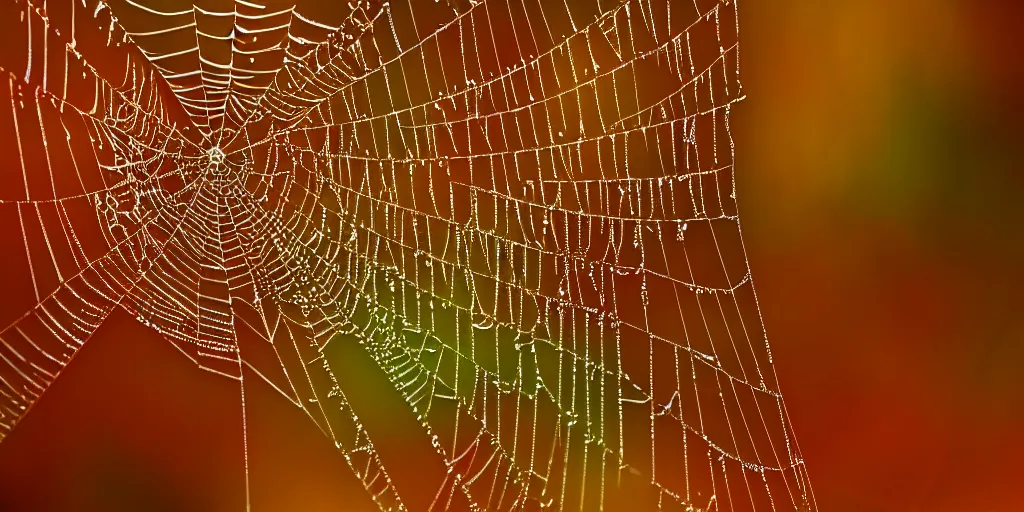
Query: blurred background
[[880, 189]]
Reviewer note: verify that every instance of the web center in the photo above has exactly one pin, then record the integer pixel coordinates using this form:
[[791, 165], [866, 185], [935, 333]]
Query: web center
[[215, 160]]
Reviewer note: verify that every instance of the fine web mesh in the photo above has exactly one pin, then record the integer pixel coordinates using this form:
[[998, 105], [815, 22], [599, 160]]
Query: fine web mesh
[[522, 212]]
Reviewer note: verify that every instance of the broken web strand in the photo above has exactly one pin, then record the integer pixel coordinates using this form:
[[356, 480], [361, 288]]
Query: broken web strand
[[473, 233]]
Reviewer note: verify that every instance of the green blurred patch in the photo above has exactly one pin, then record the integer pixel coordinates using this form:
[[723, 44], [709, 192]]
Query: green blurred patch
[[941, 162]]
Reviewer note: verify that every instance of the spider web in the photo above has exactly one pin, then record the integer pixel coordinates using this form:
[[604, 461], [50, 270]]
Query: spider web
[[522, 212]]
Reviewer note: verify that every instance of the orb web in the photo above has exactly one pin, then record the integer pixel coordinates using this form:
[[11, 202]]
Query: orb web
[[521, 212]]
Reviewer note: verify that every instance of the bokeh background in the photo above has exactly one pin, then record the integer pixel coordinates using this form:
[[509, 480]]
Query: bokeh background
[[880, 189]]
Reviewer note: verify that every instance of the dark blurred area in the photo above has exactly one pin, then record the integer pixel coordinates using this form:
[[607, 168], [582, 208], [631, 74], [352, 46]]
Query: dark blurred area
[[880, 178]]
